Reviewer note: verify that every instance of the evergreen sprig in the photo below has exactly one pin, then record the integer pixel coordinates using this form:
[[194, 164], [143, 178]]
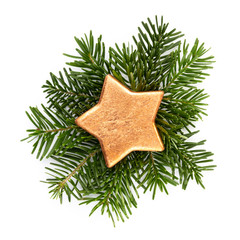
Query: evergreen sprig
[[159, 60]]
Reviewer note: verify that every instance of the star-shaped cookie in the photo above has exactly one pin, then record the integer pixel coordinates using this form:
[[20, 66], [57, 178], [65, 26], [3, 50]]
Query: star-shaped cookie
[[123, 121]]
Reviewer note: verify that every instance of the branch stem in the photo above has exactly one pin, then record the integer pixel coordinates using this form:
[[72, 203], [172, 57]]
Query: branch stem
[[181, 71], [177, 100], [62, 183], [61, 129], [73, 93]]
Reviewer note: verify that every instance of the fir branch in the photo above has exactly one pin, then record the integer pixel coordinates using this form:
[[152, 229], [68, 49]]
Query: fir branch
[[115, 191], [156, 175], [66, 169], [189, 67], [60, 129], [91, 60], [77, 168], [145, 66], [73, 95]]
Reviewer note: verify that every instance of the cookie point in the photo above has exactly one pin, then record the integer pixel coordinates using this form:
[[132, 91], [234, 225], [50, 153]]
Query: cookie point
[[78, 121]]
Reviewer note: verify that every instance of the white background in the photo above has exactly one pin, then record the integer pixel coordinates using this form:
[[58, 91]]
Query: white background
[[33, 36]]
